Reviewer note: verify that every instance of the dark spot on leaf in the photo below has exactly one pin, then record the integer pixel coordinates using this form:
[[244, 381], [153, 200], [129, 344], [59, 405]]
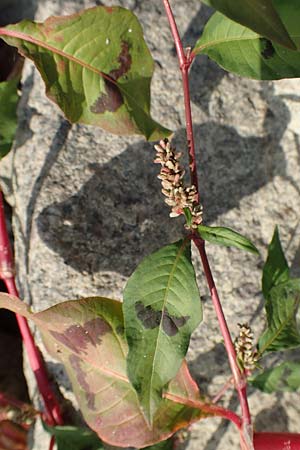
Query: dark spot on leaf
[[151, 319], [77, 337], [112, 99], [269, 50], [81, 377], [125, 61], [109, 101], [171, 324], [147, 315]]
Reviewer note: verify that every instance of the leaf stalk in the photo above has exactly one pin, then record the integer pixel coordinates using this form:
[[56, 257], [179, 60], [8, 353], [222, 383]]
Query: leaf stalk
[[207, 408]]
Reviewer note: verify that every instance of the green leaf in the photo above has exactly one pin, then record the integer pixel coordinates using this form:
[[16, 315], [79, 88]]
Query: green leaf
[[74, 438], [87, 336], [161, 309], [285, 377], [163, 445], [8, 114], [242, 51], [276, 269], [258, 15], [227, 237], [281, 307], [96, 67]]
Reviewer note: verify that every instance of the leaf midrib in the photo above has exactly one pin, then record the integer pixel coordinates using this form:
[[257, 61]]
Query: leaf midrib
[[27, 38], [180, 251], [35, 41]]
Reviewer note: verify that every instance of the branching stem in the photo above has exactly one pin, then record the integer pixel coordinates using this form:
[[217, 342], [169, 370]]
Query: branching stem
[[185, 60], [224, 388]]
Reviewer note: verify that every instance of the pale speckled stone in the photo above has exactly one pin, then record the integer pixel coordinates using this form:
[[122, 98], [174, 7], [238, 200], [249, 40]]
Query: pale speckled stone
[[87, 206]]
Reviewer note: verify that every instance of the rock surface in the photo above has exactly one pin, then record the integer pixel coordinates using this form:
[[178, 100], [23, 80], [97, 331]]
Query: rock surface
[[87, 206]]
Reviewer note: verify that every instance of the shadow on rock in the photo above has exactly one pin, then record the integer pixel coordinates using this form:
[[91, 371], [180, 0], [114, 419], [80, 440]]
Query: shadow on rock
[[115, 219], [213, 361], [118, 216], [273, 419]]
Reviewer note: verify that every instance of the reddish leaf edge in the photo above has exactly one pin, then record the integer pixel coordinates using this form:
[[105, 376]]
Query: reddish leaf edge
[[27, 38], [16, 305]]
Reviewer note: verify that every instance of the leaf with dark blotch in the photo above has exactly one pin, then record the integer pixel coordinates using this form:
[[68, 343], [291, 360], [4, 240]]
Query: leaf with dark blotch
[[161, 309], [240, 50], [86, 336], [285, 377], [8, 114], [276, 269], [282, 331], [260, 16], [227, 237], [152, 319], [96, 67]]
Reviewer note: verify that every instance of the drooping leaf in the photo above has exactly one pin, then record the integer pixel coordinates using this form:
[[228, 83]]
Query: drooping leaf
[[161, 309], [87, 336], [282, 304], [259, 15], [240, 50], [75, 438], [285, 377], [96, 67], [276, 269], [8, 114], [227, 237]]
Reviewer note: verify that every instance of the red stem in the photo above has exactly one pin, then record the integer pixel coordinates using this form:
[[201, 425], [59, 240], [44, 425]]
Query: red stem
[[6, 400], [52, 408], [223, 389], [240, 382], [207, 408], [52, 443], [239, 379], [184, 63]]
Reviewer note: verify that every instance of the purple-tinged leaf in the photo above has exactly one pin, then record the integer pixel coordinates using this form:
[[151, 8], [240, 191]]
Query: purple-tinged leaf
[[87, 336]]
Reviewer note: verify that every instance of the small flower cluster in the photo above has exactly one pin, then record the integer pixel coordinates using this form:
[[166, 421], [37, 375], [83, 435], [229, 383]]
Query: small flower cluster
[[246, 355], [171, 175]]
